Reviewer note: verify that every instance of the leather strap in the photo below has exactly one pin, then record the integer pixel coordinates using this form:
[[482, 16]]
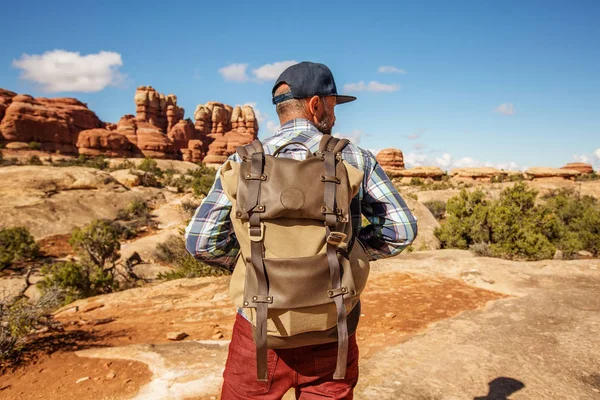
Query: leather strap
[[331, 220], [254, 154]]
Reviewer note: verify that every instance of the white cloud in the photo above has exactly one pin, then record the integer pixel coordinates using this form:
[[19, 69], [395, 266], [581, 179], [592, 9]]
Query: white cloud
[[388, 69], [415, 160], [372, 86], [234, 72], [444, 161], [67, 71], [447, 162], [506, 109], [582, 158], [270, 72], [597, 153], [414, 136], [419, 146], [272, 126], [353, 136]]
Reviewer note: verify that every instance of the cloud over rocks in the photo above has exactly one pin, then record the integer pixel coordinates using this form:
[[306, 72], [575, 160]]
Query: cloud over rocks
[[234, 72], [67, 71], [372, 86], [447, 162], [388, 69], [270, 72], [353, 136], [506, 109], [597, 153]]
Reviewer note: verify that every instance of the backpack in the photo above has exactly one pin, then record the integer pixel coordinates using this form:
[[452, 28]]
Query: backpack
[[299, 275]]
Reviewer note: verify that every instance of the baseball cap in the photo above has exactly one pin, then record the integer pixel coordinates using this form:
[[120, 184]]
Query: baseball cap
[[308, 79]]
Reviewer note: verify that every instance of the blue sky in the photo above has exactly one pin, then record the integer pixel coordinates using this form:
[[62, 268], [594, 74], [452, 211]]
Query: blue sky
[[475, 82]]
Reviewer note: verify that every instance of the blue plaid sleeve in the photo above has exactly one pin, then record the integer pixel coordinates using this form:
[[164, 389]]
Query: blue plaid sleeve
[[209, 236], [392, 226]]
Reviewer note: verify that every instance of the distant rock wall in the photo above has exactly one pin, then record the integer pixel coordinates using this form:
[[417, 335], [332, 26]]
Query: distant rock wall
[[158, 129], [54, 123]]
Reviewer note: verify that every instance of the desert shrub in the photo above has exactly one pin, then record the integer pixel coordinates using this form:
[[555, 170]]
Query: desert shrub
[[437, 208], [19, 317], [94, 273], [150, 165], [83, 161], [34, 160], [35, 146], [416, 182], [98, 241], [16, 244], [126, 164], [516, 228], [412, 196], [173, 252], [587, 177], [137, 209], [466, 221], [481, 249], [78, 280], [189, 207], [203, 178]]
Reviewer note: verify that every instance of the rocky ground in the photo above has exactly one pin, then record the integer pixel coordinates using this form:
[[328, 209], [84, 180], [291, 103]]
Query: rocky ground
[[436, 324]]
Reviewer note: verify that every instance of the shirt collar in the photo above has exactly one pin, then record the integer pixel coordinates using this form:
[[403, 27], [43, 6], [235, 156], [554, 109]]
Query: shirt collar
[[297, 125]]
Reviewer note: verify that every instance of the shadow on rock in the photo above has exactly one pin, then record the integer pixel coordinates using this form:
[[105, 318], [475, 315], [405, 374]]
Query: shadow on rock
[[501, 388]]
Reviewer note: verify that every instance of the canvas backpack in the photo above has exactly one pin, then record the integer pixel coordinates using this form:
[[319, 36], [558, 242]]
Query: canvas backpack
[[300, 273]]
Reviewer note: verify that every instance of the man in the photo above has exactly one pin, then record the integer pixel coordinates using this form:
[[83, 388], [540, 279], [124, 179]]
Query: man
[[305, 96]]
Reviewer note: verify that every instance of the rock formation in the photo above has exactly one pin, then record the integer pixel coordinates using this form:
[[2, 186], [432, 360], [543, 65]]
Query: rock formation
[[156, 108], [157, 130], [54, 123], [95, 142], [220, 128], [581, 167], [484, 174], [553, 173], [391, 159], [434, 173]]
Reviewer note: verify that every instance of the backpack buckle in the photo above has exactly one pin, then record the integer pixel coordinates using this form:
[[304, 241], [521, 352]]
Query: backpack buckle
[[336, 238], [257, 238]]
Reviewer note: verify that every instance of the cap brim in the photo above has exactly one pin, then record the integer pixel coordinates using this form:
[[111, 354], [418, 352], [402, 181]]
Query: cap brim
[[340, 99]]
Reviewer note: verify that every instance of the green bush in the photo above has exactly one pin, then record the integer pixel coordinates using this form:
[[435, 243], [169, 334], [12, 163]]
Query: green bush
[[19, 317], [16, 244], [137, 209], [34, 160], [78, 280], [515, 227], [587, 177], [416, 182], [151, 166], [173, 252], [203, 178], [83, 161], [98, 241], [35, 145], [437, 208]]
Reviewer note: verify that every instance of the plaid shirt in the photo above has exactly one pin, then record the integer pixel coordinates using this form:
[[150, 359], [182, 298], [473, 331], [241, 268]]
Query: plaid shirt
[[210, 236]]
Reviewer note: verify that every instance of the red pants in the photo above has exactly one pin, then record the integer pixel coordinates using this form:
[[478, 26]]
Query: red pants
[[308, 369]]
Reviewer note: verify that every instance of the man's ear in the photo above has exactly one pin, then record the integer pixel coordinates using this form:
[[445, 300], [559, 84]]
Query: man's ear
[[314, 104]]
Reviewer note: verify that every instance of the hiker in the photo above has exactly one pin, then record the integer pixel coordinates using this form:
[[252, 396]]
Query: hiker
[[285, 216]]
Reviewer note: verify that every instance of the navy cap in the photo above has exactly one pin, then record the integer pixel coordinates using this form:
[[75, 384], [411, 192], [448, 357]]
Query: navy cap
[[308, 79]]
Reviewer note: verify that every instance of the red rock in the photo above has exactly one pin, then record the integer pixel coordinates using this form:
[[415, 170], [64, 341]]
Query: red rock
[[156, 108], [94, 142], [391, 158], [182, 133], [6, 97], [581, 167], [152, 142], [55, 123]]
